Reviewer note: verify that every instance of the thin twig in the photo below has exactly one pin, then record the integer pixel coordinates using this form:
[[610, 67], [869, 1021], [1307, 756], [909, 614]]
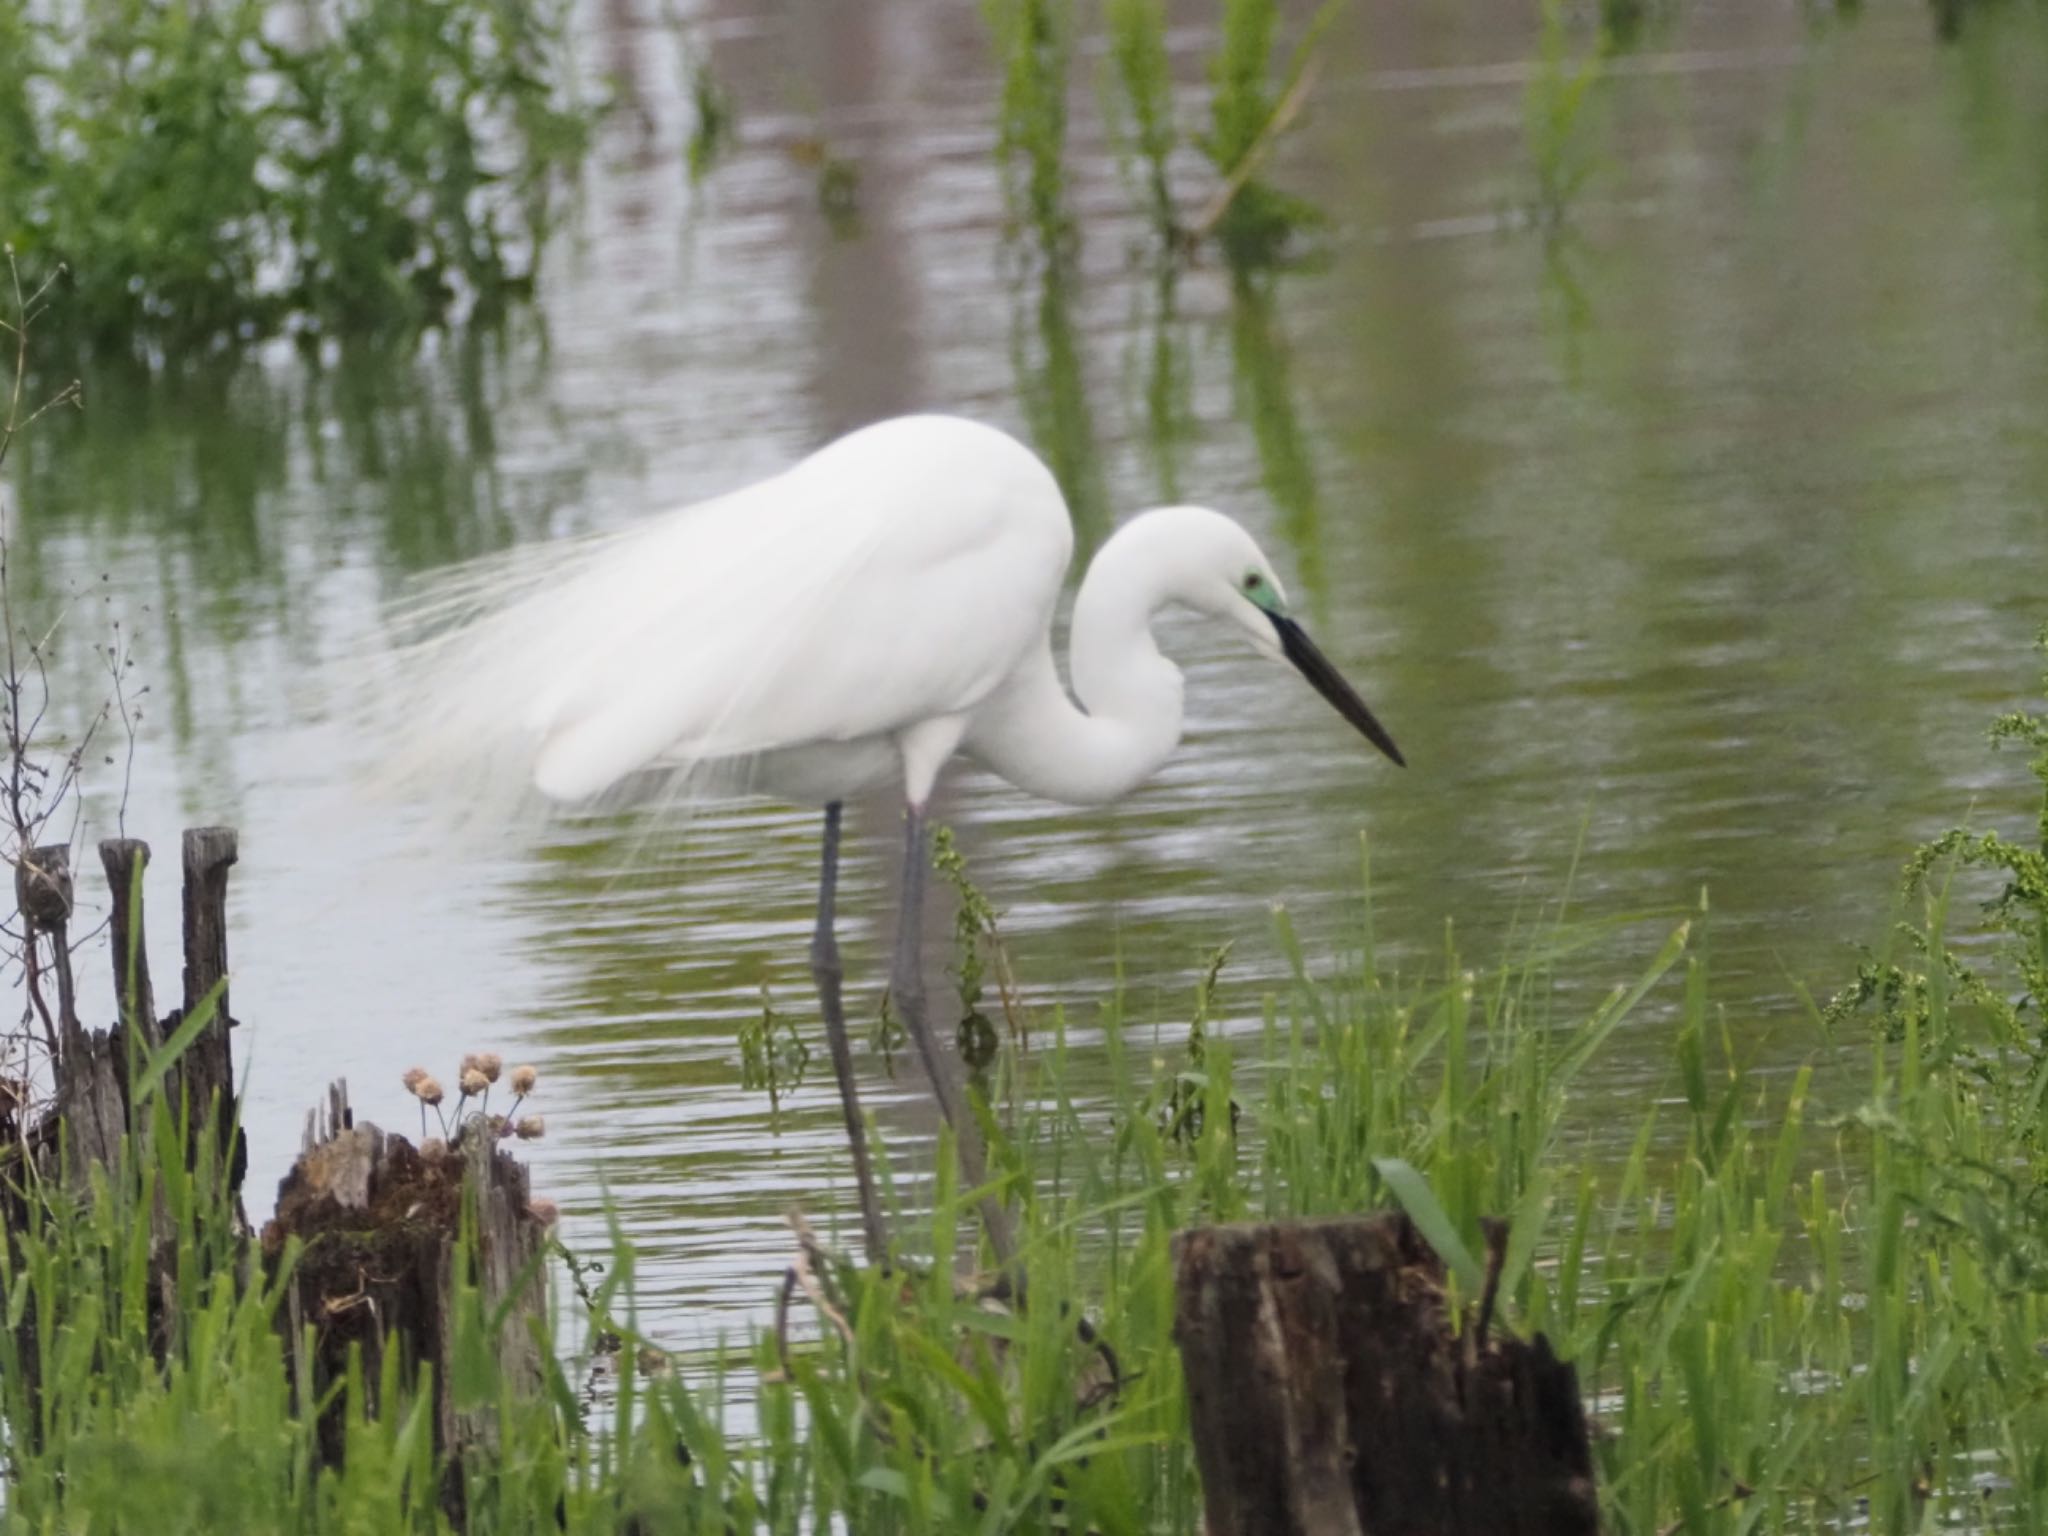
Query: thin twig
[[39, 783], [803, 1267], [71, 394]]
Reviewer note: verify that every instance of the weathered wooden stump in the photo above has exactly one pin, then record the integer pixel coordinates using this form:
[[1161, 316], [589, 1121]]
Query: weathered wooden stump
[[205, 1074], [1330, 1397], [379, 1220], [90, 1110]]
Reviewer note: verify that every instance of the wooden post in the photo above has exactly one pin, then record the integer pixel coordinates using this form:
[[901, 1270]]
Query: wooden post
[[89, 1112], [125, 859], [205, 1075], [1329, 1395], [378, 1220], [209, 853], [42, 890]]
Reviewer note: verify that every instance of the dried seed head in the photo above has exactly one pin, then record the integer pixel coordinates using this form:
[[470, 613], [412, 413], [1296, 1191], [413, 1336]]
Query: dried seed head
[[523, 1079], [473, 1081], [531, 1127], [544, 1211], [414, 1076], [429, 1090], [490, 1064], [468, 1063]]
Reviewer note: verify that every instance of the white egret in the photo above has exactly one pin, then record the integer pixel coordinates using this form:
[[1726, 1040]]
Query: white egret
[[848, 624]]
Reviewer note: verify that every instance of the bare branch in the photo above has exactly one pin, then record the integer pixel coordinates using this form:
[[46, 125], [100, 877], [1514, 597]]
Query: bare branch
[[40, 781]]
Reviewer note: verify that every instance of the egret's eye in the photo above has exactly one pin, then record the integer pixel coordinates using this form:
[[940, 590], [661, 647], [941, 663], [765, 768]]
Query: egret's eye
[[1259, 590]]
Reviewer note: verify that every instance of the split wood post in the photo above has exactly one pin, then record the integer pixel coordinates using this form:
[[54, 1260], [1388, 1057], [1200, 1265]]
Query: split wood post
[[125, 859], [89, 1110], [1329, 1395], [42, 890], [379, 1221], [205, 1073]]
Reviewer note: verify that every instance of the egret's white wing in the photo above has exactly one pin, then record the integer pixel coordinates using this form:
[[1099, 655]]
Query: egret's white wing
[[899, 574]]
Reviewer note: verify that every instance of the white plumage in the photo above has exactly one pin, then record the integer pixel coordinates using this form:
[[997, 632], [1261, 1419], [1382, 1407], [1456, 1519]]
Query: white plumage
[[732, 640], [853, 621]]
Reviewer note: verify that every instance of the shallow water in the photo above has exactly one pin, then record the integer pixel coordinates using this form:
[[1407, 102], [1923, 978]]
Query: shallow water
[[1704, 541]]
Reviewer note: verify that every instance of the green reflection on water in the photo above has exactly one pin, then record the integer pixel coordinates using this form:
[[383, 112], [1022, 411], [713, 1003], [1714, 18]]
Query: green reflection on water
[[1052, 387], [1166, 378], [1262, 368]]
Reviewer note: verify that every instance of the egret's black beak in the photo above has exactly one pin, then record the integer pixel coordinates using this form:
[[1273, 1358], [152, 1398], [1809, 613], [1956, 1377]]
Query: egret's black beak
[[1329, 682]]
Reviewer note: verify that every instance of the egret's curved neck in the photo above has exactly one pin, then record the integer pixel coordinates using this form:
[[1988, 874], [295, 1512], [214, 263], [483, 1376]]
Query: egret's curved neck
[[1130, 694]]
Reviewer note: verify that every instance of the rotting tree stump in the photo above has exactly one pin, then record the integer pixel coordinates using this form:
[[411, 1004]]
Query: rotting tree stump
[[379, 1221], [1329, 1395]]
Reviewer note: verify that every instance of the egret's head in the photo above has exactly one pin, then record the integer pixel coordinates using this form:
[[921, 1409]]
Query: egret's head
[[1224, 573]]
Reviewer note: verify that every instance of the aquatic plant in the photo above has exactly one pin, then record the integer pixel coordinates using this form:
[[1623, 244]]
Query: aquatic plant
[[1033, 42], [381, 165], [1622, 22], [1556, 118], [712, 125], [1143, 76], [1250, 107], [774, 1057], [839, 196], [979, 956]]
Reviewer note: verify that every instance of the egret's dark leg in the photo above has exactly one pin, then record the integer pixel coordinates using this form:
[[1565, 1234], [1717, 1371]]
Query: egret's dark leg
[[826, 971], [906, 992]]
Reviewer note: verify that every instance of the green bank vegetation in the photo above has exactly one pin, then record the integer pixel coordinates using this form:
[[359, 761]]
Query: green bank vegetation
[[221, 173]]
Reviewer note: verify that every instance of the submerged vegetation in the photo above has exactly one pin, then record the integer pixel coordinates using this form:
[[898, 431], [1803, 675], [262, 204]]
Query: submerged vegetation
[[1556, 116], [1142, 72], [1254, 223], [222, 173], [1033, 42], [1249, 109], [1785, 1319]]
